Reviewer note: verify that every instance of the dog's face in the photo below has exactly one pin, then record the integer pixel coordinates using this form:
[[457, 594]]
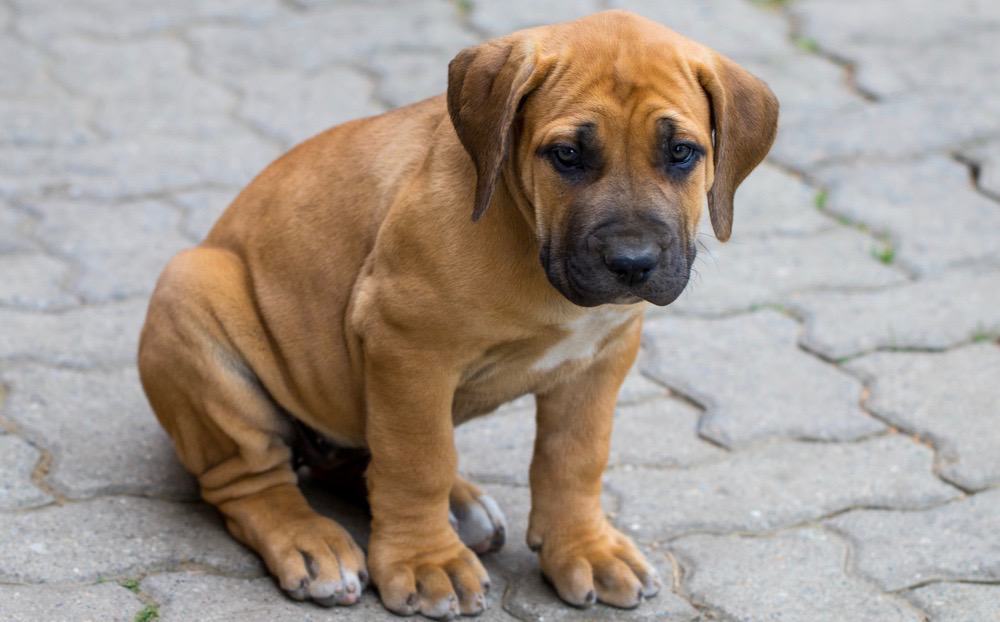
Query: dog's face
[[609, 132]]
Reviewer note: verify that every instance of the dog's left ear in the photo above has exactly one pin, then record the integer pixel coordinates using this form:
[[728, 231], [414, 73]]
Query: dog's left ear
[[744, 122], [486, 84]]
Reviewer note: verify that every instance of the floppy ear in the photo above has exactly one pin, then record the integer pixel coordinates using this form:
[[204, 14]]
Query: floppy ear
[[744, 121], [486, 84]]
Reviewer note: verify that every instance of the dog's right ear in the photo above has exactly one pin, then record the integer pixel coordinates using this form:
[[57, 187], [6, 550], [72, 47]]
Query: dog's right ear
[[486, 84]]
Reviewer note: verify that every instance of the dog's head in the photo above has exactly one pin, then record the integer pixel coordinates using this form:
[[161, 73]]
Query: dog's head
[[609, 133]]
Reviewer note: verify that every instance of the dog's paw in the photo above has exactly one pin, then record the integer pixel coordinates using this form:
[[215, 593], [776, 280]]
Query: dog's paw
[[439, 583], [316, 559], [479, 522], [599, 565]]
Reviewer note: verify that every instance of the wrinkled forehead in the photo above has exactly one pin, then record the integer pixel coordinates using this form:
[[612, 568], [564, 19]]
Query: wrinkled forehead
[[624, 81]]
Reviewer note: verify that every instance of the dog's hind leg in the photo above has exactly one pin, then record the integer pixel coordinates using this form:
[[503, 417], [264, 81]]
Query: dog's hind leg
[[230, 433], [476, 517]]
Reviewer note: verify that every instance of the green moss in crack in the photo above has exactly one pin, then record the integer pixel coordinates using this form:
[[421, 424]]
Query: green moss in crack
[[149, 613], [886, 253]]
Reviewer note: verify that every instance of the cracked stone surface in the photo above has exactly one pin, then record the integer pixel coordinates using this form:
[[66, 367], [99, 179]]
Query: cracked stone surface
[[17, 463], [801, 570], [773, 465], [115, 537], [748, 272], [904, 199], [34, 281], [932, 314], [128, 453], [917, 392], [778, 485], [987, 157], [958, 602], [959, 541], [91, 336], [764, 387], [108, 602]]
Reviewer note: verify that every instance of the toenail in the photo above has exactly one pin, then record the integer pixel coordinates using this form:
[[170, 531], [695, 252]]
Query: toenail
[[411, 600], [591, 598]]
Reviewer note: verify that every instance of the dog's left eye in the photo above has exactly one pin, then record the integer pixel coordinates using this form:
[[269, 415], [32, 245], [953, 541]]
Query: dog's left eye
[[566, 158], [682, 154]]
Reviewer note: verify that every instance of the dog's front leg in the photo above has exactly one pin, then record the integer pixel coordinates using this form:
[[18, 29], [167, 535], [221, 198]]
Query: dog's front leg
[[416, 559], [581, 553]]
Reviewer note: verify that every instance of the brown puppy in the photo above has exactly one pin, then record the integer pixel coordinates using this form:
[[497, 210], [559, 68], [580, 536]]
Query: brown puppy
[[398, 275]]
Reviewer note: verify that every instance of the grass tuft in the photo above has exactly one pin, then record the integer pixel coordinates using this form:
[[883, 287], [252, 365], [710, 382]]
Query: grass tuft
[[131, 585], [149, 613], [821, 198], [807, 44], [886, 254]]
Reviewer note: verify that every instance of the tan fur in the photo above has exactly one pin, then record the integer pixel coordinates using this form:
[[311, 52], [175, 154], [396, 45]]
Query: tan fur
[[348, 287]]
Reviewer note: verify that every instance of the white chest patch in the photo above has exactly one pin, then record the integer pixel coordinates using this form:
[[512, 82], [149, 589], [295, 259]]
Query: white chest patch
[[585, 335]]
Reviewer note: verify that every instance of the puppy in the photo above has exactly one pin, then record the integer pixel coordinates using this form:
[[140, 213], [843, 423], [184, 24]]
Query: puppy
[[396, 276]]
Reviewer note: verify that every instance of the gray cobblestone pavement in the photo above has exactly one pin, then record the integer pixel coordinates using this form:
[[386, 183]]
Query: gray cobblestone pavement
[[812, 432]]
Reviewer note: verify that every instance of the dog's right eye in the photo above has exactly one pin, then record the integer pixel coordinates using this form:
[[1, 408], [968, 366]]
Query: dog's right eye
[[566, 159]]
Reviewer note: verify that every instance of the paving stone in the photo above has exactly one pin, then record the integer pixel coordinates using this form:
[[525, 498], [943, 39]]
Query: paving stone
[[107, 602], [951, 398], [500, 18], [120, 249], [894, 56], [185, 596], [748, 272], [116, 537], [201, 209], [41, 122], [498, 447], [958, 602], [134, 167], [15, 228], [661, 432], [806, 85], [959, 541], [733, 27], [342, 33], [406, 76], [753, 380], [292, 107], [34, 281], [23, 69], [793, 576], [932, 314], [92, 336], [44, 22], [905, 199], [772, 201], [122, 450], [17, 462], [884, 130], [131, 80], [776, 485]]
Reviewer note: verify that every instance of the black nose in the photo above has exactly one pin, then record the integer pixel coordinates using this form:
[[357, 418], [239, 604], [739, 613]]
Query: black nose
[[632, 263]]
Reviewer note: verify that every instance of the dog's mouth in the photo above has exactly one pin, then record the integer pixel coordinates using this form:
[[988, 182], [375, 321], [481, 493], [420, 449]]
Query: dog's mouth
[[588, 283]]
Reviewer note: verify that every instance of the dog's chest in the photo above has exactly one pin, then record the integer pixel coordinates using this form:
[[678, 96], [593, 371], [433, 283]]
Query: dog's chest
[[532, 366], [582, 338]]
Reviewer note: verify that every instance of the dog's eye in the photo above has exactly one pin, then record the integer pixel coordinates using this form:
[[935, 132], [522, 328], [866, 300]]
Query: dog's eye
[[566, 158], [682, 154]]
